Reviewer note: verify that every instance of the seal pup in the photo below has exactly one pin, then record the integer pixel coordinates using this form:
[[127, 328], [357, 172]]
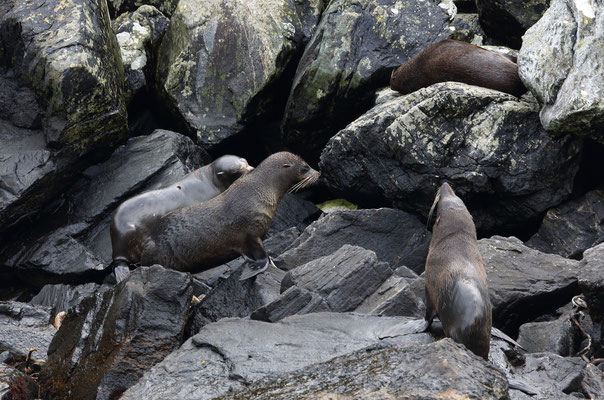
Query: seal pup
[[452, 60], [205, 235], [195, 187]]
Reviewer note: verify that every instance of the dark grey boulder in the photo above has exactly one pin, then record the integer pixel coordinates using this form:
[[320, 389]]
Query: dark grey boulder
[[396, 237], [488, 145], [560, 62], [573, 227], [220, 62], [119, 7], [139, 34], [438, 370], [23, 326], [351, 54], [338, 282], [395, 297], [293, 211], [81, 249], [62, 297], [525, 283], [68, 67], [467, 29], [560, 336], [591, 281], [507, 20], [109, 340], [232, 353]]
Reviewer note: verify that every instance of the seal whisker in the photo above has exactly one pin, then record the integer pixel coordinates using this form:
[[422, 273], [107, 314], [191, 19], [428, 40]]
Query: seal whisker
[[436, 199]]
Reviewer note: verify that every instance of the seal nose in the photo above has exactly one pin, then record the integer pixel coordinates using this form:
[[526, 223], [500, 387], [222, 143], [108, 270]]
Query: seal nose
[[446, 189]]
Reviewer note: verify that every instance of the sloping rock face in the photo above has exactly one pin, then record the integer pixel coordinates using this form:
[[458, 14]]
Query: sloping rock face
[[351, 54], [219, 60], [110, 339], [573, 227], [488, 145], [507, 20], [559, 336], [60, 98], [23, 326], [560, 61]]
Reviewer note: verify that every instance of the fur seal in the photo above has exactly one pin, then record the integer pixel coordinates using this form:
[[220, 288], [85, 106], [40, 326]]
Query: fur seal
[[197, 186], [205, 235], [452, 60]]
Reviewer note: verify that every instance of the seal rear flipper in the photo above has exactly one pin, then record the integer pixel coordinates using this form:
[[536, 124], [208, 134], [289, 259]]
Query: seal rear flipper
[[405, 328], [256, 258], [122, 272], [252, 268], [500, 335], [517, 384]]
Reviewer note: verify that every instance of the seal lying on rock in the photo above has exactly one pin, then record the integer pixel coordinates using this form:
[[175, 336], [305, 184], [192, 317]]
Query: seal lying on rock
[[196, 187], [452, 60], [231, 224]]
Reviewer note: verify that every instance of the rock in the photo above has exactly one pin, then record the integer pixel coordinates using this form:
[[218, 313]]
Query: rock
[[279, 242], [438, 370], [231, 353], [23, 326], [220, 63], [80, 250], [396, 237], [394, 297], [62, 297], [16, 385], [507, 20], [119, 7], [337, 205], [525, 283], [591, 281], [109, 340], [65, 55], [488, 145], [559, 62], [559, 336], [467, 29], [138, 35], [338, 282], [351, 54], [293, 212], [573, 227]]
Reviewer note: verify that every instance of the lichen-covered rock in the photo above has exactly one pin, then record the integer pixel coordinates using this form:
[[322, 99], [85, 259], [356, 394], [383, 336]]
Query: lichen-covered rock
[[525, 283], [138, 34], [119, 7], [488, 145], [218, 60], [573, 227], [351, 54], [109, 340], [467, 29], [23, 326], [561, 62], [397, 238], [230, 354], [507, 20]]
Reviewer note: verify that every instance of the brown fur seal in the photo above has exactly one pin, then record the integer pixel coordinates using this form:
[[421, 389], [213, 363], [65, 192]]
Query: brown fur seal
[[452, 60], [196, 187], [456, 282], [231, 224]]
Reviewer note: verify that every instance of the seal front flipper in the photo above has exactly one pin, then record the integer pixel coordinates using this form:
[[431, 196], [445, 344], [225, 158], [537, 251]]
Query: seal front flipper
[[259, 260]]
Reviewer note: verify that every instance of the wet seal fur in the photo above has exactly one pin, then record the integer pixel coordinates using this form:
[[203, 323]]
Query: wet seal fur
[[200, 185], [231, 224], [452, 60]]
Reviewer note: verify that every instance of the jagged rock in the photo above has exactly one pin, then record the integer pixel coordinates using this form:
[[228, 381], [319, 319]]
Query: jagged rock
[[396, 237], [109, 340], [338, 282], [351, 54], [560, 62], [232, 353], [220, 62], [118, 7], [572, 228], [507, 20], [467, 29], [525, 283], [559, 336], [138, 34], [61, 77], [62, 297], [293, 212], [488, 145], [394, 297], [23, 326], [591, 281], [277, 243], [80, 250]]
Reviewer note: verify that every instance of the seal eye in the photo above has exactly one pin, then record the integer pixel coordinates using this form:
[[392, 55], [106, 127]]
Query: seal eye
[[286, 165], [305, 168]]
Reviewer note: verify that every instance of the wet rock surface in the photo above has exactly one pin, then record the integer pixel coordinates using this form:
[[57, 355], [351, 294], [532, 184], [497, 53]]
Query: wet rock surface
[[24, 326]]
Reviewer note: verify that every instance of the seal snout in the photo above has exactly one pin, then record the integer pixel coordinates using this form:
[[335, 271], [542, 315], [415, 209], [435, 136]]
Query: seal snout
[[446, 190]]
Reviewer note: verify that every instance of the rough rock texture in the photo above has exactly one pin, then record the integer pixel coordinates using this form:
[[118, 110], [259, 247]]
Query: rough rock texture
[[63, 297], [561, 62], [231, 353], [467, 29], [118, 7], [138, 34], [338, 282], [351, 54], [396, 237], [591, 281], [559, 336], [293, 212], [81, 248], [507, 20], [64, 58], [488, 145], [23, 326], [433, 371], [573, 227], [525, 283], [110, 340], [219, 60]]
